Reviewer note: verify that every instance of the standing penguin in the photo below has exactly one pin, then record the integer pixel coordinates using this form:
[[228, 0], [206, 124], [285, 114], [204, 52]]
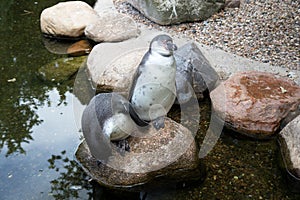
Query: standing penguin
[[153, 90], [106, 119]]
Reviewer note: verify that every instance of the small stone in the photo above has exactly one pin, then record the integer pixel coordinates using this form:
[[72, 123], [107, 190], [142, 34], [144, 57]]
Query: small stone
[[12, 80], [232, 3], [80, 48]]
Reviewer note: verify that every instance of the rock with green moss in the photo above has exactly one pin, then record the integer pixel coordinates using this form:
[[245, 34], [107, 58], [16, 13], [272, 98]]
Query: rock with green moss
[[61, 69], [177, 11]]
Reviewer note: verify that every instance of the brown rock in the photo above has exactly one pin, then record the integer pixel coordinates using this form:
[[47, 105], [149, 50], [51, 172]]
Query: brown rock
[[80, 48], [169, 154], [254, 103]]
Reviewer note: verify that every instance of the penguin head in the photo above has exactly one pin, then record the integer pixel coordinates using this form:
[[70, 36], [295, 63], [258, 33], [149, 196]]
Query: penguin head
[[163, 45]]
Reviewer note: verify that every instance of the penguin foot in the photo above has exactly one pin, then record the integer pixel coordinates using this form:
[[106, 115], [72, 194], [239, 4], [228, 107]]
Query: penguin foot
[[100, 162], [159, 123], [123, 146]]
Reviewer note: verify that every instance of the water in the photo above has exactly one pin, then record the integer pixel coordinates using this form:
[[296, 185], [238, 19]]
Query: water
[[37, 123], [39, 132]]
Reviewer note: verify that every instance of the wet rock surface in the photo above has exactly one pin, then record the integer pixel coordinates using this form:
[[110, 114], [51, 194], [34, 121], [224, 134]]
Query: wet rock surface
[[165, 156], [112, 27], [80, 48], [173, 12], [61, 69], [289, 139], [254, 103], [67, 19]]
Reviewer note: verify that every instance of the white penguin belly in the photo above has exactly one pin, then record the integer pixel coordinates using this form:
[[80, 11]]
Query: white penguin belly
[[155, 92]]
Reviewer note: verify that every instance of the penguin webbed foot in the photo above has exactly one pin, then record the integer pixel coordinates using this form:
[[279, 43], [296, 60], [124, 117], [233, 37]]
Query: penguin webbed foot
[[100, 162], [159, 123], [122, 146]]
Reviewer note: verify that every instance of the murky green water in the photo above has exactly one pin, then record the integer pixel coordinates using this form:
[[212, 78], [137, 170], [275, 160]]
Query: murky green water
[[39, 132]]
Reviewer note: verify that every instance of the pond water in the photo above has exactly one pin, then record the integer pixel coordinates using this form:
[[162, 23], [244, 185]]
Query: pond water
[[39, 132]]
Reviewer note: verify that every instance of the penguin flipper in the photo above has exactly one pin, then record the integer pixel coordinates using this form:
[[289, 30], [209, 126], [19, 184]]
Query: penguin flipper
[[137, 74]]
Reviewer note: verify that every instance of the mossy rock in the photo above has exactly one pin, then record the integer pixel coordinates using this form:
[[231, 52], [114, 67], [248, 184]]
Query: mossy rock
[[61, 69]]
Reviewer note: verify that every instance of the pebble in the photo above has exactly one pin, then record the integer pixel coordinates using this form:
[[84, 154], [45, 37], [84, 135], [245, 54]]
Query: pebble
[[263, 30]]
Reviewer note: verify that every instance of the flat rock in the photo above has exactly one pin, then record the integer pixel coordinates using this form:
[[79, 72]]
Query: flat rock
[[174, 12], [112, 27], [254, 103], [61, 69], [289, 139], [67, 19], [157, 158]]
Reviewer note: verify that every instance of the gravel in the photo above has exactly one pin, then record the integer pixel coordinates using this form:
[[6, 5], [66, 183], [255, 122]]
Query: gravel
[[264, 30]]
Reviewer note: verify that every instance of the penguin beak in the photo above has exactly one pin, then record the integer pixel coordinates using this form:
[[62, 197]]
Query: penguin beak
[[171, 46]]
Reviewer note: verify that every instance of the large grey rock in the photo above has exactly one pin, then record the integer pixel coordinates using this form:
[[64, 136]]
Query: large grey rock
[[67, 19], [193, 69], [112, 27], [290, 149], [155, 157], [254, 103], [177, 11]]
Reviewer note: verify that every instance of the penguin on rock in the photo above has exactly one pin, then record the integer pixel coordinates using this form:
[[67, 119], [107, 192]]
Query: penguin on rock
[[106, 119], [153, 90]]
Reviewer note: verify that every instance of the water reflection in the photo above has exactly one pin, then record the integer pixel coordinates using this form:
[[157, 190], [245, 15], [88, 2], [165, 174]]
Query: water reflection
[[21, 55], [71, 180]]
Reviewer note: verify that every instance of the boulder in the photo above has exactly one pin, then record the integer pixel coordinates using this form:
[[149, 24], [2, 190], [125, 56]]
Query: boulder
[[289, 140], [61, 69], [118, 73], [193, 69], [254, 103], [173, 12], [156, 158], [67, 19], [112, 27]]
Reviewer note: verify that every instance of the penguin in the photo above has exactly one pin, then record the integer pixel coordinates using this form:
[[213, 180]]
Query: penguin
[[153, 89], [106, 119]]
